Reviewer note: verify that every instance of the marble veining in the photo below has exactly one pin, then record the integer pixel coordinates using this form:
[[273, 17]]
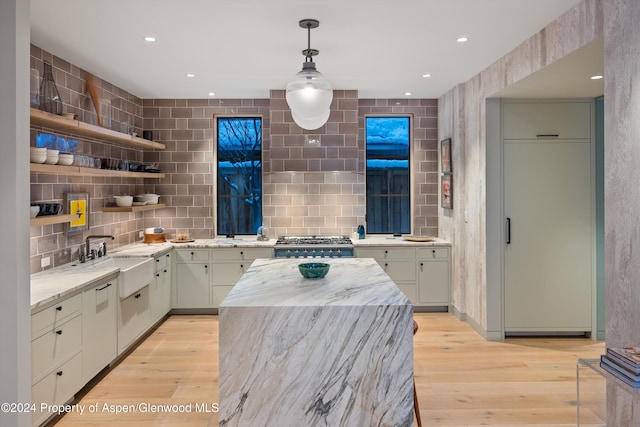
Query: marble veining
[[336, 351]]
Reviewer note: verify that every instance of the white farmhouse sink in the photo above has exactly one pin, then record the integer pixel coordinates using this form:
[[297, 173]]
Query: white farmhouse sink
[[135, 273]]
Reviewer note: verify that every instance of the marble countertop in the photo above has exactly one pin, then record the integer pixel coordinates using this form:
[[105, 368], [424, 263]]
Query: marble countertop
[[349, 282], [395, 241], [50, 285]]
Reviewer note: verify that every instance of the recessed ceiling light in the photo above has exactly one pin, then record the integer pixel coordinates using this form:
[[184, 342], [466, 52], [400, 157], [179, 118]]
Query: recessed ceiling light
[[407, 93], [212, 94], [598, 77], [462, 39], [149, 39], [426, 76], [190, 75]]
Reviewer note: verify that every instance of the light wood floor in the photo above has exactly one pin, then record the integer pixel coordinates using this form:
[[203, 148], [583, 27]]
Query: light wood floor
[[461, 379]]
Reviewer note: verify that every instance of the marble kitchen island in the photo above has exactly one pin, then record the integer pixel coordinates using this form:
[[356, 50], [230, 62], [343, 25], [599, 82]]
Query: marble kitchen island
[[336, 351]]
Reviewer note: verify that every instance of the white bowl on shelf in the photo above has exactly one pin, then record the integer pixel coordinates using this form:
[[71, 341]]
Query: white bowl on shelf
[[52, 157], [123, 201], [151, 199], [65, 159], [35, 210], [38, 154]]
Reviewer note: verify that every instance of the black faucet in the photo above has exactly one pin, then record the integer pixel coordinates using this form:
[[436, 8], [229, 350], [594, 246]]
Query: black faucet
[[89, 254]]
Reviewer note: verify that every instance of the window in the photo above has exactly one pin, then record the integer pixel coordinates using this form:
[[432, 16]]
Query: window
[[239, 175], [388, 183]]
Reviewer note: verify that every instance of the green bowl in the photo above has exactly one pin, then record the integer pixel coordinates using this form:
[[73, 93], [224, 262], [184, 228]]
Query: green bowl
[[313, 270]]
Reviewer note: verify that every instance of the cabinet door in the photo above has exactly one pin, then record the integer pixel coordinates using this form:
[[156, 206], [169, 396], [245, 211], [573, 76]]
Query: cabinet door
[[400, 271], [160, 294], [566, 120], [192, 285], [99, 327], [548, 261], [133, 319], [433, 282]]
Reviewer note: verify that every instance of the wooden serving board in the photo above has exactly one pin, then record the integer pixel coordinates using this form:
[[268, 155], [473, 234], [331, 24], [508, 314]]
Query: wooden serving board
[[419, 238], [182, 240]]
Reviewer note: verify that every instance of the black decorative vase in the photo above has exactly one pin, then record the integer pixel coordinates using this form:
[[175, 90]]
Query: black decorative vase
[[50, 100]]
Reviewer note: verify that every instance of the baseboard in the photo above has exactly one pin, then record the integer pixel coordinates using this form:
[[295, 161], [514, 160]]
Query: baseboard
[[487, 335]]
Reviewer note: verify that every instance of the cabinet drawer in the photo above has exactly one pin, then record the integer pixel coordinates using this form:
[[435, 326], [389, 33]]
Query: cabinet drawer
[[400, 271], [55, 345], [240, 254], [381, 254], [433, 253], [564, 119], [57, 387], [192, 255], [49, 317]]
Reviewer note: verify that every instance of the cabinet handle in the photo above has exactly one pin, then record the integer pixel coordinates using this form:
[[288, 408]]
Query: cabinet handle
[[386, 265], [168, 255], [241, 252], [104, 287], [138, 296], [59, 308], [508, 231], [157, 274], [421, 265], [59, 373], [165, 271], [206, 269], [547, 135], [433, 252], [59, 332], [158, 260]]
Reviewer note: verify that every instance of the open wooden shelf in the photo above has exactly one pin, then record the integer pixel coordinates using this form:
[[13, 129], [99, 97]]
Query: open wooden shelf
[[43, 168], [76, 127], [133, 208], [53, 219]]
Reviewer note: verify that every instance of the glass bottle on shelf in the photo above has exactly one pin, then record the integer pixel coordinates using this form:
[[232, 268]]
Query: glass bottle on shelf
[[50, 100]]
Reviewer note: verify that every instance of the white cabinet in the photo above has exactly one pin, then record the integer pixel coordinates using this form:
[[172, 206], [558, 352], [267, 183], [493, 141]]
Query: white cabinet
[[549, 217], [192, 279], [421, 273], [536, 120], [160, 289], [99, 327], [228, 265], [133, 318], [399, 264], [56, 355], [433, 276]]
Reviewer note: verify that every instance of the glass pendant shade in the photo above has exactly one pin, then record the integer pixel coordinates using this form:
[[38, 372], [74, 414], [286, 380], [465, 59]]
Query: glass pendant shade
[[311, 123], [309, 96]]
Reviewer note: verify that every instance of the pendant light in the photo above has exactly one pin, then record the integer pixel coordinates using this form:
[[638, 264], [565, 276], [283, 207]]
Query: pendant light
[[309, 94]]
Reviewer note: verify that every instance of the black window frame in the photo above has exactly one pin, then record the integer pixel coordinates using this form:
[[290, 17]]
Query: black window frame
[[405, 224], [221, 224]]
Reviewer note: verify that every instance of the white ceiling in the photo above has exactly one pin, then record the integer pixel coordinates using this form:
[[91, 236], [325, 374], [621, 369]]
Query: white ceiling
[[244, 48]]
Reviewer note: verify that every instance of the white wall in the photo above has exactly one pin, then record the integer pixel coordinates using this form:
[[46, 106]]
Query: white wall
[[15, 323]]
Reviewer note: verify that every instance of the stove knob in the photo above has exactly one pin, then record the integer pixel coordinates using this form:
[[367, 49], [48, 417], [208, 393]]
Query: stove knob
[[313, 253], [304, 253], [339, 252], [330, 253], [321, 253], [297, 253], [288, 253]]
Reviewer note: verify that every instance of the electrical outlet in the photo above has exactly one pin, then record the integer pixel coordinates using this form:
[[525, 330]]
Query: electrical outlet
[[141, 235], [45, 262]]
